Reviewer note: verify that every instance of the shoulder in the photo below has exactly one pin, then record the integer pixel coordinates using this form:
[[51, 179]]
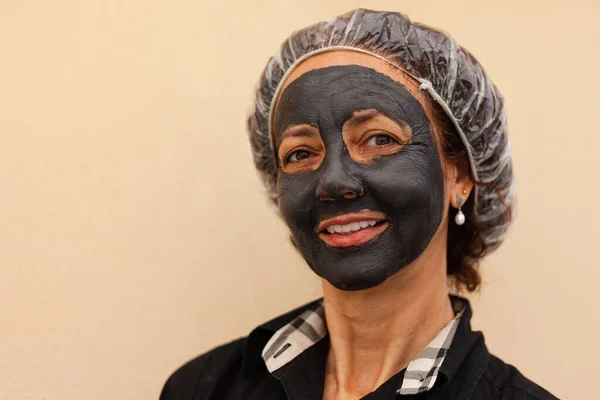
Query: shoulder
[[184, 382], [503, 381], [227, 367]]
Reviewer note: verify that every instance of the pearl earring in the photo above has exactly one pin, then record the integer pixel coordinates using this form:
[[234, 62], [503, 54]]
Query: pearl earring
[[460, 217]]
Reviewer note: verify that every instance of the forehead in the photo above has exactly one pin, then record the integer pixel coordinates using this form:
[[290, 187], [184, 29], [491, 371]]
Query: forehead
[[333, 93], [348, 57]]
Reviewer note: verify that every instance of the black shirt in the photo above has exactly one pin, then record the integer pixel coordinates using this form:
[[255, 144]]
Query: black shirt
[[237, 371]]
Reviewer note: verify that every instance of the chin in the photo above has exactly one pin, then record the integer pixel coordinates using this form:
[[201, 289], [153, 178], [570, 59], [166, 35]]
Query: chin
[[358, 281]]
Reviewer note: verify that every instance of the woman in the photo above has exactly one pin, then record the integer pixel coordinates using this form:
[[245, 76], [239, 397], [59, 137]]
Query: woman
[[383, 144]]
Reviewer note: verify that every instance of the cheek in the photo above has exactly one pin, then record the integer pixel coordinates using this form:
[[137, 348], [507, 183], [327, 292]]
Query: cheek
[[295, 196], [412, 177]]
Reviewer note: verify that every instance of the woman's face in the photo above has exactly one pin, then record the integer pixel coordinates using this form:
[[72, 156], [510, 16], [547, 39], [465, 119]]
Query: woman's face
[[361, 185]]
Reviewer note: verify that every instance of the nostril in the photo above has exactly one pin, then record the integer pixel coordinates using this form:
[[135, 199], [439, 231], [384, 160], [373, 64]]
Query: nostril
[[325, 198], [352, 194], [349, 194], [333, 186]]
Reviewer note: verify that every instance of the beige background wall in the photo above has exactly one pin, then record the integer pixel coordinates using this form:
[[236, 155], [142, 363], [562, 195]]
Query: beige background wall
[[133, 235]]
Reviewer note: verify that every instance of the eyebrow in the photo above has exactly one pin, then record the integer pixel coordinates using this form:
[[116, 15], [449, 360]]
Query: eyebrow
[[362, 117], [308, 130]]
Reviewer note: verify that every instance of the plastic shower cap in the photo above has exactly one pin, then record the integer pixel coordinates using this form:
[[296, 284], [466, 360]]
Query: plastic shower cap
[[449, 73]]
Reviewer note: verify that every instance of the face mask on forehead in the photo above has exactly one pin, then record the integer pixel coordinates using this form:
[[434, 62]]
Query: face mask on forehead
[[374, 199]]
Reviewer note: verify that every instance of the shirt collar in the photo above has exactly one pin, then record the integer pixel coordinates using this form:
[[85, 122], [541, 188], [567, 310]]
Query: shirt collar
[[422, 372], [308, 326], [465, 340], [252, 360]]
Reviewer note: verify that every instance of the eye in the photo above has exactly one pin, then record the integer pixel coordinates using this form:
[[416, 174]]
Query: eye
[[297, 156], [380, 139]]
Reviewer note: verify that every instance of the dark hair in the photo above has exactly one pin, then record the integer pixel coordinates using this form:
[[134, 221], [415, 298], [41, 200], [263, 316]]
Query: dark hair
[[466, 245]]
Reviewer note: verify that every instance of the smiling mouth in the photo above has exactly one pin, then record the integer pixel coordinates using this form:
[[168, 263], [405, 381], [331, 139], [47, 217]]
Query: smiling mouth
[[352, 229]]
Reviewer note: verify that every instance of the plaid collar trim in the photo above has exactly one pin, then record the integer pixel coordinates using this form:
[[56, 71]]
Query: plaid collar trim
[[292, 339], [422, 372], [309, 328]]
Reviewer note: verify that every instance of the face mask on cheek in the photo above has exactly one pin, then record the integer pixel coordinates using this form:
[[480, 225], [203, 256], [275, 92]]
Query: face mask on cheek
[[404, 190]]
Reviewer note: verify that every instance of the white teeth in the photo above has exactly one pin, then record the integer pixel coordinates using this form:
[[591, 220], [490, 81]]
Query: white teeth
[[351, 227]]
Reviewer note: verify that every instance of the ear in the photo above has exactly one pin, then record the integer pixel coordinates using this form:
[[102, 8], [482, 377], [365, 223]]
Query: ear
[[459, 182]]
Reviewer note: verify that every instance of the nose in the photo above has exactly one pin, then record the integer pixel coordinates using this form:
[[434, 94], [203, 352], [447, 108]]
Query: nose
[[338, 183]]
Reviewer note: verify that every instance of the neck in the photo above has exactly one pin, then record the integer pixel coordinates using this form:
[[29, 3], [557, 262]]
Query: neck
[[375, 333]]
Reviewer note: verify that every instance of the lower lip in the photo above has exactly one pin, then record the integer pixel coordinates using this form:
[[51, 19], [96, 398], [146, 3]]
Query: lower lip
[[354, 238]]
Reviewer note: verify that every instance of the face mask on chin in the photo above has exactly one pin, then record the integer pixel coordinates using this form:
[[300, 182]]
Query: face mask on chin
[[368, 202]]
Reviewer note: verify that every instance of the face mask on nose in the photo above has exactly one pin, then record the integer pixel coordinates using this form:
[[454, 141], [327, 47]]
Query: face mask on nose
[[373, 198]]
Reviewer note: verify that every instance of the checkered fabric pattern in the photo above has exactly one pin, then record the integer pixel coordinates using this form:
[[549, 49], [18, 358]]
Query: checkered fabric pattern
[[309, 327], [291, 340]]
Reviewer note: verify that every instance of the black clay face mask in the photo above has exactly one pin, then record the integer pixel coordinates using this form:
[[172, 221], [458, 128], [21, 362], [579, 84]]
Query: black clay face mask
[[357, 221]]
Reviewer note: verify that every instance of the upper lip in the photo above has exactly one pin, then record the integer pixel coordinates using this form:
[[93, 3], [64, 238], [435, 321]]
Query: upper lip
[[364, 215]]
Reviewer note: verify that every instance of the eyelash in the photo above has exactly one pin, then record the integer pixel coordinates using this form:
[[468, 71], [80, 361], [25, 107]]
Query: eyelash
[[392, 141], [289, 156], [378, 135]]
